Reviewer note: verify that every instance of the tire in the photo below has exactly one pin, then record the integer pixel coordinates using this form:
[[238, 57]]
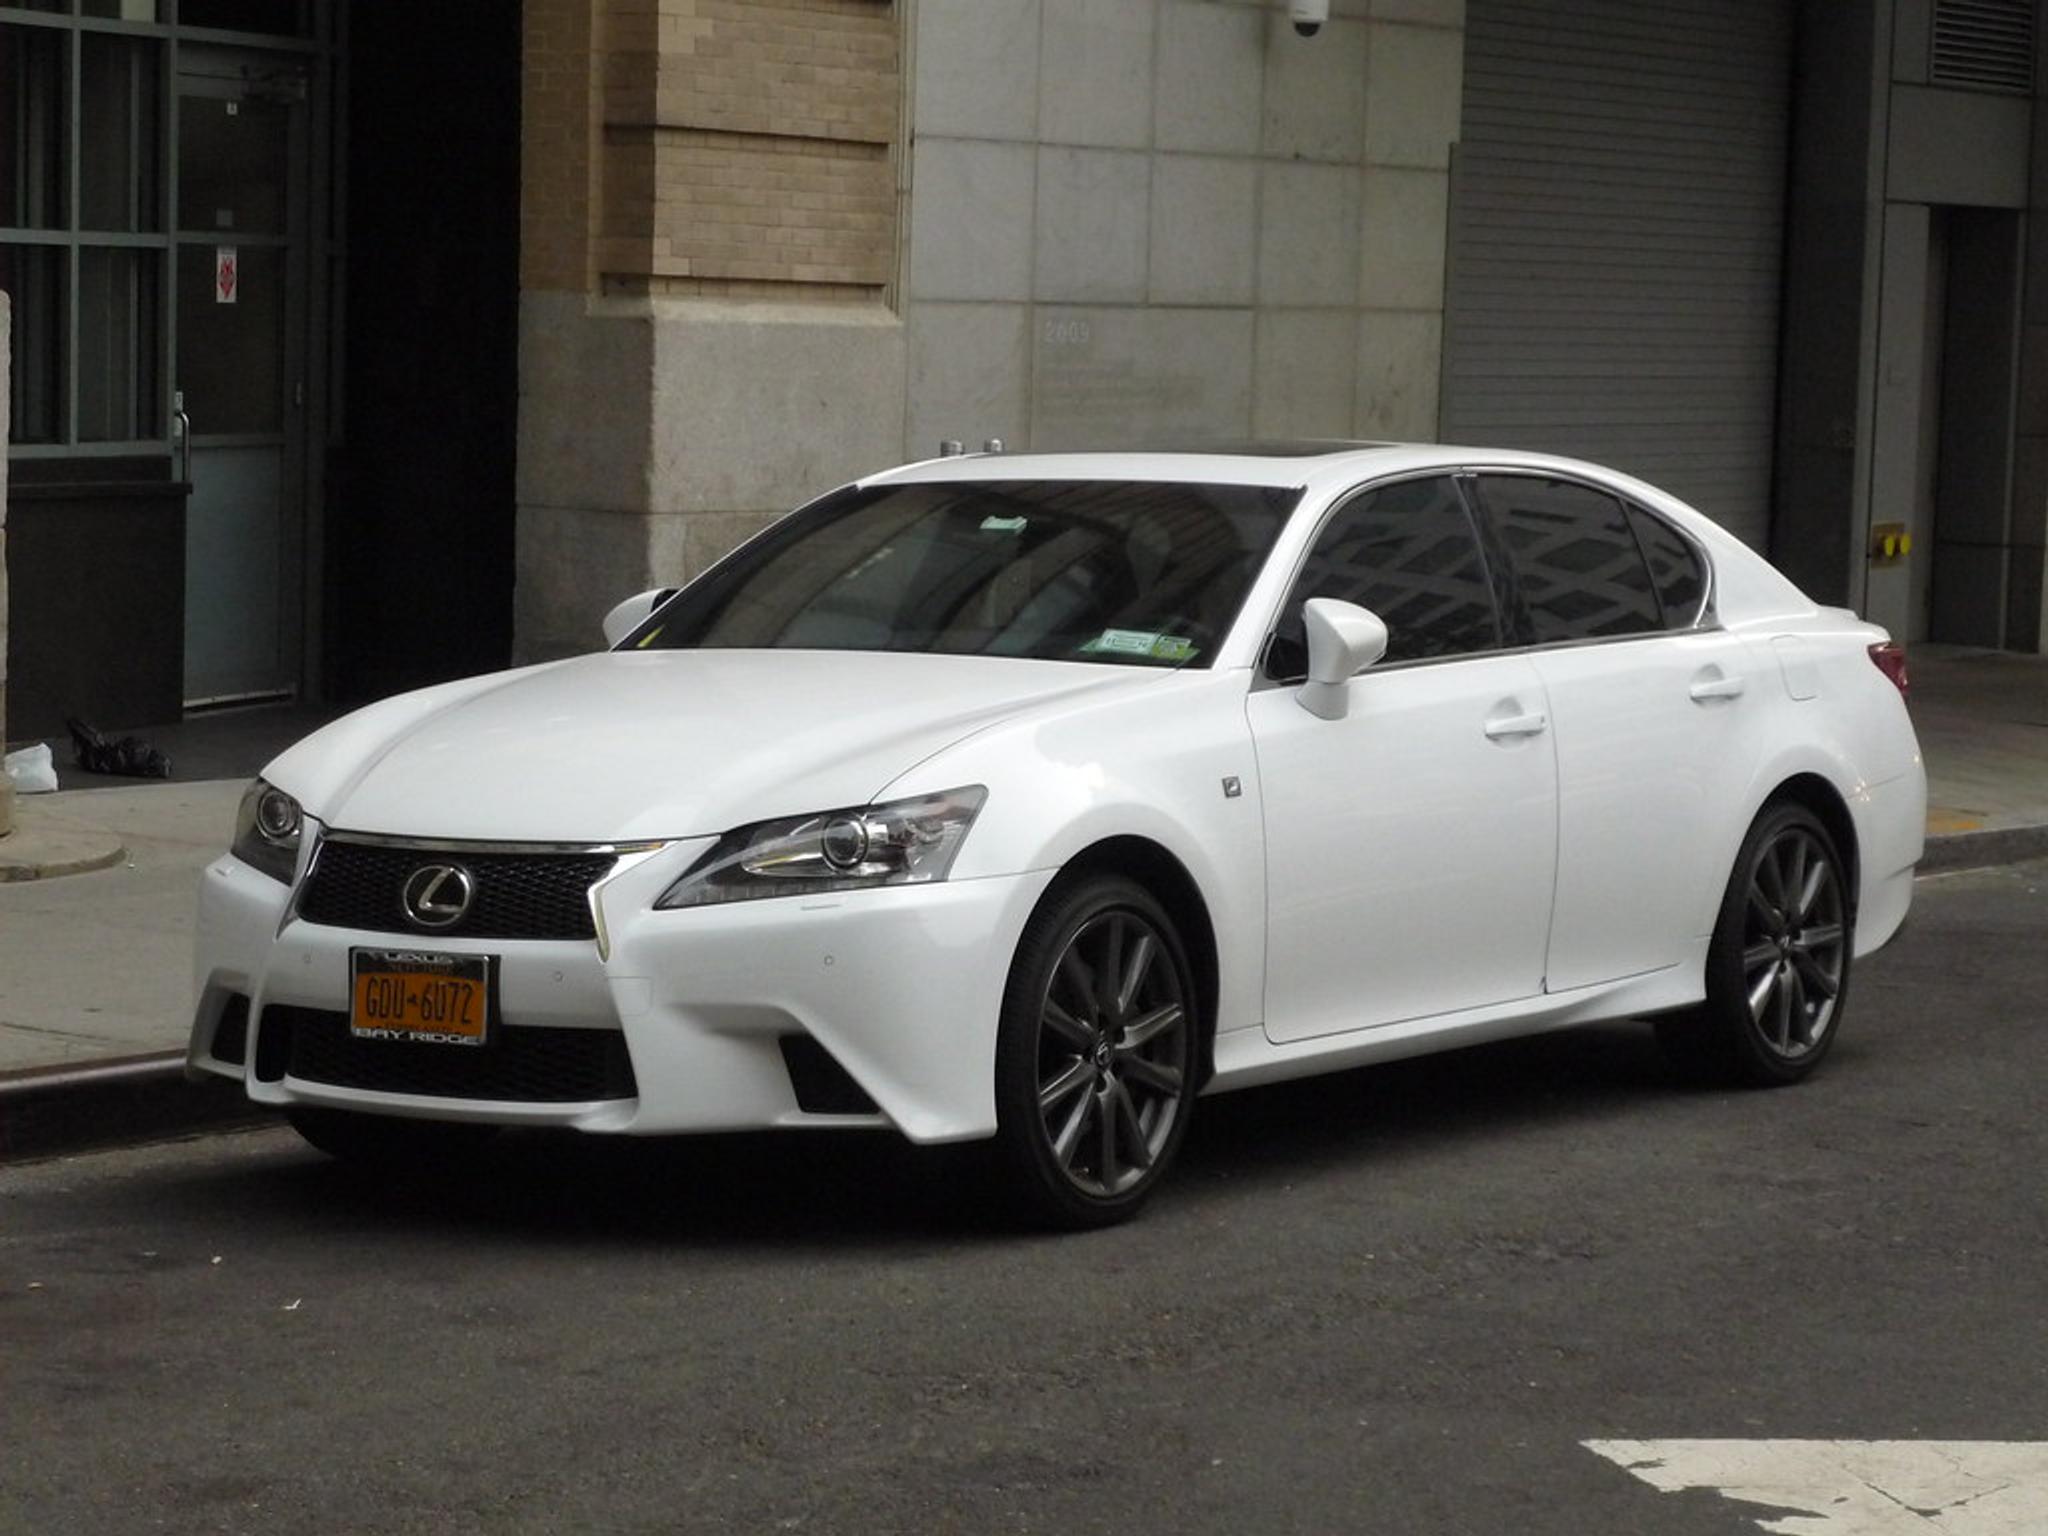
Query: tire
[[1094, 1085], [1778, 966], [388, 1141]]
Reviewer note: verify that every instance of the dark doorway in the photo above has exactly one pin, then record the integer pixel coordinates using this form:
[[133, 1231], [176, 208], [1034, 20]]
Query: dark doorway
[[1978, 276], [419, 527]]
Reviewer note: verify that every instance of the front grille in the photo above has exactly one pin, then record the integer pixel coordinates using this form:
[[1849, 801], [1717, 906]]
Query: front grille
[[518, 895], [530, 1064]]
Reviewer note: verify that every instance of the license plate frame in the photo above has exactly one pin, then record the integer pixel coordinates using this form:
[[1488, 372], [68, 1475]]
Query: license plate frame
[[441, 999]]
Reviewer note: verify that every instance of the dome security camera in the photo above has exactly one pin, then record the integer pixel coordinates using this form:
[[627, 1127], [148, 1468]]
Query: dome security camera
[[1308, 16]]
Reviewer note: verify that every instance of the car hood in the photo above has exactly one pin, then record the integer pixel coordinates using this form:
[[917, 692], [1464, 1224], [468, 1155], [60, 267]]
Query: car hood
[[628, 746]]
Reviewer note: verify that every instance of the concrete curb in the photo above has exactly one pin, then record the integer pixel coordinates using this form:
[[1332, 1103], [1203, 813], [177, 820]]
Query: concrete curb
[[46, 1111], [49, 1111], [43, 849], [1979, 850]]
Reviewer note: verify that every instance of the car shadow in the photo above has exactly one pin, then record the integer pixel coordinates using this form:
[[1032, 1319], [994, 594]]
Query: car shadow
[[827, 1189], [1405, 1107]]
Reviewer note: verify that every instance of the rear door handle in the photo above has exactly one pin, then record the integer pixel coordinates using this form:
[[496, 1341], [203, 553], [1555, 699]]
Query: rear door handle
[[1533, 724], [1717, 686]]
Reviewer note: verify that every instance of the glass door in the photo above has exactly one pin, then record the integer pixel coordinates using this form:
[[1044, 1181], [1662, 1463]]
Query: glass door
[[240, 317]]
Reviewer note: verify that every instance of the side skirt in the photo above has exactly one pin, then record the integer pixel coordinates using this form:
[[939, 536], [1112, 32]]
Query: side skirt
[[1246, 1058]]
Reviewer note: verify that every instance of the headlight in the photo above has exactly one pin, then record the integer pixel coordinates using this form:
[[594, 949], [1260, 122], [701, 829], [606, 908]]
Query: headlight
[[906, 842], [267, 830]]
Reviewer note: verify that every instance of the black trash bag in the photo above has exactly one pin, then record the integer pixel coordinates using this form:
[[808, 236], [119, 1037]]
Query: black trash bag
[[131, 756]]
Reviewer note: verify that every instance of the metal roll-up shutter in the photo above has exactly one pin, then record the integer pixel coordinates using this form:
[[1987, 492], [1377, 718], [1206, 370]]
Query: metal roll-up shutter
[[1616, 240]]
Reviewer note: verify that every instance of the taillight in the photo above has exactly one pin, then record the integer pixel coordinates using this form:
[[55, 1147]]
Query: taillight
[[1891, 661]]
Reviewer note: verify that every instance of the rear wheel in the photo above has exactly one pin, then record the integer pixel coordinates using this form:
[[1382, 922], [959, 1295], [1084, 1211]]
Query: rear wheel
[[1096, 1059], [1778, 965], [387, 1141]]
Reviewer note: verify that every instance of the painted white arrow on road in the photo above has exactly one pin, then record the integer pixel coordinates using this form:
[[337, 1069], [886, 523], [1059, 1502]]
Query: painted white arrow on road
[[1857, 1487]]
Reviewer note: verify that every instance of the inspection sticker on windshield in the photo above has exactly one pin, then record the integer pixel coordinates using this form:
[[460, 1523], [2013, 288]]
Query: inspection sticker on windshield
[[994, 524], [1141, 642]]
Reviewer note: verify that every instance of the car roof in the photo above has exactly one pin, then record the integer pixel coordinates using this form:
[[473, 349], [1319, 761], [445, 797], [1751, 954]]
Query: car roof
[[1276, 464], [1292, 464]]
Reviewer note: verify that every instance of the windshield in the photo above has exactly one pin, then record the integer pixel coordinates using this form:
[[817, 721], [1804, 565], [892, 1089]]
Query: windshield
[[1125, 572]]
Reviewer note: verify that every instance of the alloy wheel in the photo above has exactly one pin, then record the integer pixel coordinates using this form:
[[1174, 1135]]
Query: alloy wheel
[[1112, 1053], [1794, 949]]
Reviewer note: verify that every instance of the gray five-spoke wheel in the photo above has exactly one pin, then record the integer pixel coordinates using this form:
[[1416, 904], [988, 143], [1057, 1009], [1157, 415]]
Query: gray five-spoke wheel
[[1111, 1049], [1794, 942]]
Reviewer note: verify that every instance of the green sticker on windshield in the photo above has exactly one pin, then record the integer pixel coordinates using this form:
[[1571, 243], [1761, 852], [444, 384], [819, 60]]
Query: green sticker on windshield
[[1140, 642], [1005, 524]]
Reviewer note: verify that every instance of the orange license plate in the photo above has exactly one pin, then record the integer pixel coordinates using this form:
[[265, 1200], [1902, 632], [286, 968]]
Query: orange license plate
[[427, 999]]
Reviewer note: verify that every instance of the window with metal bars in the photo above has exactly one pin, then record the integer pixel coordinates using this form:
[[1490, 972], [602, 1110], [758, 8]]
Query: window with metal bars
[[82, 242]]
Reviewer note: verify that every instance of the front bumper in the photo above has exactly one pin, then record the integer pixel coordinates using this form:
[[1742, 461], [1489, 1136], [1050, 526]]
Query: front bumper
[[902, 986]]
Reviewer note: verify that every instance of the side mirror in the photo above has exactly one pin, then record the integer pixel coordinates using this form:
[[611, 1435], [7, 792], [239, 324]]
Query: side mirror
[[1343, 640], [625, 618]]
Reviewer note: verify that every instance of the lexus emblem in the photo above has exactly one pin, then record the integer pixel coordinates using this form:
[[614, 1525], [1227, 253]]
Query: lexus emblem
[[438, 895]]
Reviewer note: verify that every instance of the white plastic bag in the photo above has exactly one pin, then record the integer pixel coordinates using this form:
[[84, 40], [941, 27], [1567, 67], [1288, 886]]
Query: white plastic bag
[[31, 769]]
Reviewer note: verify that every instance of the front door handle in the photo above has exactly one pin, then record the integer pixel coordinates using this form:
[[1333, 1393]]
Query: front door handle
[[1533, 724], [1717, 685]]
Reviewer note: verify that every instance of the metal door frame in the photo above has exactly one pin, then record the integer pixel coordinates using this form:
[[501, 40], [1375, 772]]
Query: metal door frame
[[217, 71]]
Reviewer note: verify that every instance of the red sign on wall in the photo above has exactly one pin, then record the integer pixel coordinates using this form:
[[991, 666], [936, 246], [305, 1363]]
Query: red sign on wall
[[227, 276]]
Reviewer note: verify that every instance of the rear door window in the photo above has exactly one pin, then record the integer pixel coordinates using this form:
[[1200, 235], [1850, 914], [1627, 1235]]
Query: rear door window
[[1573, 559], [1410, 553]]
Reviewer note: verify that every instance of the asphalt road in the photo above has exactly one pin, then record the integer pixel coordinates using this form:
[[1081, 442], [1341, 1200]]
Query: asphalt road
[[1392, 1301]]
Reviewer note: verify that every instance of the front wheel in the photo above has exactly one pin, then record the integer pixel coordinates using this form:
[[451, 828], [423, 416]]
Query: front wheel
[[1096, 1056], [1778, 964]]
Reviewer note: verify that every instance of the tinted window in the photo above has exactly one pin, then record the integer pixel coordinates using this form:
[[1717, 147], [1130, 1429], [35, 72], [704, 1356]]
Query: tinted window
[[1136, 574], [1575, 561], [1408, 552], [1676, 570]]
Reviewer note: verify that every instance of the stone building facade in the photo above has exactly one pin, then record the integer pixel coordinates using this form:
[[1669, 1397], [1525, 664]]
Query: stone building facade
[[767, 246], [529, 307]]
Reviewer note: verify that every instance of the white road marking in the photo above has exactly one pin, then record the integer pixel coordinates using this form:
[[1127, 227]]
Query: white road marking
[[1857, 1487]]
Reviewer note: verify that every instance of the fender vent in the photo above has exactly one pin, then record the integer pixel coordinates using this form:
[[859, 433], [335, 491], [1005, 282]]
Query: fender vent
[[1985, 45], [821, 1085], [231, 1032]]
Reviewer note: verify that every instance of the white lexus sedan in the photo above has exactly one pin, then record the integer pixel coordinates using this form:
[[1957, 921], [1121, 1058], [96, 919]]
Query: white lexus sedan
[[1029, 798]]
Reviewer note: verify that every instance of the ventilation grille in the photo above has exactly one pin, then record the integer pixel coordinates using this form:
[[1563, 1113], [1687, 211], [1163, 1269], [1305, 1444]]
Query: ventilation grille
[[1984, 44]]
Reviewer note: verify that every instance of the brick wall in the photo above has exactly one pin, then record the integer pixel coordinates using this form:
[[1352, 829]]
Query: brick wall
[[736, 148], [559, 132]]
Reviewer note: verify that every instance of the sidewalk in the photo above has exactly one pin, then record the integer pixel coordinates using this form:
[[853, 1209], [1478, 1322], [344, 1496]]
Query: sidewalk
[[95, 967], [1983, 723]]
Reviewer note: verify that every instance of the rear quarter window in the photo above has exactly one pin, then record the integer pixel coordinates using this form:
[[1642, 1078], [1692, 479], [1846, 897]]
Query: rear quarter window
[[1677, 570]]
